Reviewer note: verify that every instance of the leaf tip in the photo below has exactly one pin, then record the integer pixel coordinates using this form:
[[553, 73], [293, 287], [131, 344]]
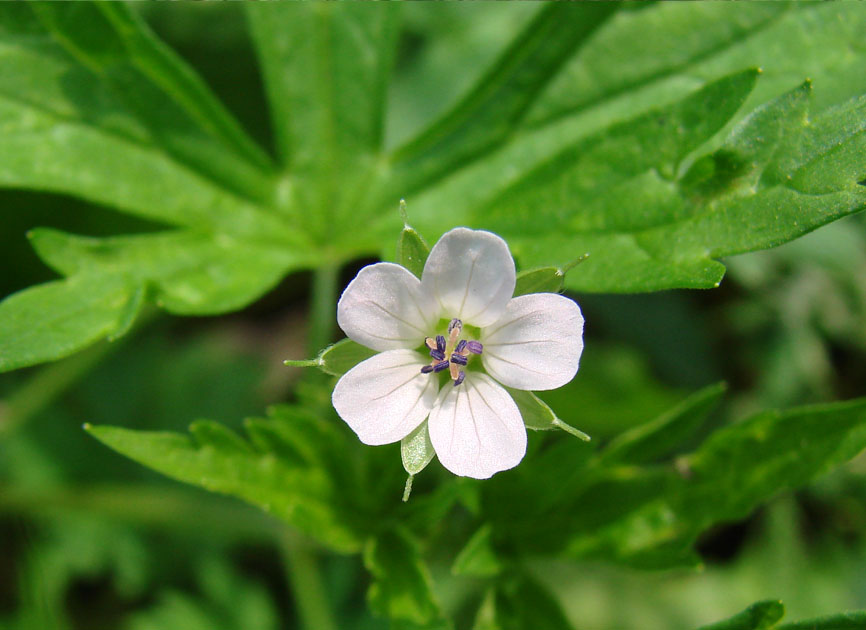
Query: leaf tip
[[570, 429], [571, 265], [87, 427]]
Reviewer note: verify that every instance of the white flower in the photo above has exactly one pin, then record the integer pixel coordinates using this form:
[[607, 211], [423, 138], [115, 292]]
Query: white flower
[[461, 307]]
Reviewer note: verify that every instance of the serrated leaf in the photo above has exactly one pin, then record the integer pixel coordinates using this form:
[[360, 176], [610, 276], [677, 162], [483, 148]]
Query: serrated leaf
[[759, 616], [416, 450], [402, 589], [659, 437], [309, 496], [727, 477], [478, 557], [842, 621], [53, 320], [713, 215]]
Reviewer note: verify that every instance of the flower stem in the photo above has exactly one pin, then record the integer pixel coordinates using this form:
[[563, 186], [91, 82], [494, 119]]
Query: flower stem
[[305, 581], [302, 566], [323, 311]]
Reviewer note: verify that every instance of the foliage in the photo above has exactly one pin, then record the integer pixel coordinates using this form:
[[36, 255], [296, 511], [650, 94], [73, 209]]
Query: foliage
[[619, 149]]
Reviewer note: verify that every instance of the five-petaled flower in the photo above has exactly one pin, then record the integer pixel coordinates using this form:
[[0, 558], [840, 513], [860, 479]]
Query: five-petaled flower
[[462, 315]]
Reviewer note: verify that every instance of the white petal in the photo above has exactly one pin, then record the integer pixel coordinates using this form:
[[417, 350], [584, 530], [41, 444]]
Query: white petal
[[385, 397], [384, 308], [536, 345], [476, 428], [471, 274]]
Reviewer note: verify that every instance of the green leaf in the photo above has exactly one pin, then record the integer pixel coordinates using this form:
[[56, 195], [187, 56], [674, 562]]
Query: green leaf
[[734, 471], [191, 272], [402, 589], [522, 602], [659, 437], [416, 450], [672, 229], [412, 250], [312, 494], [53, 320], [759, 616], [326, 70], [842, 621], [539, 416], [631, 63], [478, 557], [489, 113], [175, 105]]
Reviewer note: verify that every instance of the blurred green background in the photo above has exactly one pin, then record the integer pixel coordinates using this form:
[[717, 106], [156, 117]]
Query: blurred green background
[[91, 540]]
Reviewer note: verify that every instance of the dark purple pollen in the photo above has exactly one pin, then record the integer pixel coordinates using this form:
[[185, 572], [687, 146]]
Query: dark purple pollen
[[459, 378], [474, 347], [426, 369], [461, 344], [438, 355], [454, 324], [442, 365], [440, 344], [459, 359]]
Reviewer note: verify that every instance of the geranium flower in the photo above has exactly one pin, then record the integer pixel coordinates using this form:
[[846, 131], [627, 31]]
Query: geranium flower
[[476, 338]]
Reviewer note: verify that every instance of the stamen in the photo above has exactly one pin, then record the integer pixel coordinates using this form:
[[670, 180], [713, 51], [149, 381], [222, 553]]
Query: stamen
[[442, 365], [455, 323], [460, 346], [440, 344], [438, 355], [459, 378], [426, 369], [430, 343], [474, 347], [459, 359], [455, 371]]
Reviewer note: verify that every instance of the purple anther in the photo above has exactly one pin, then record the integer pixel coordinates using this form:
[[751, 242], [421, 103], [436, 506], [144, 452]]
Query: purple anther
[[474, 347], [459, 359], [440, 344], [460, 346], [442, 365], [455, 323], [459, 378], [438, 355], [426, 369]]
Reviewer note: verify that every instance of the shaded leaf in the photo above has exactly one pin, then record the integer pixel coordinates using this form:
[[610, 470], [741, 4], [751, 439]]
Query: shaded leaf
[[402, 589], [478, 557], [841, 621], [659, 437]]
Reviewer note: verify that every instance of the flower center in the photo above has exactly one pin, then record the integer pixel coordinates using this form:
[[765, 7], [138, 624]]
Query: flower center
[[451, 353]]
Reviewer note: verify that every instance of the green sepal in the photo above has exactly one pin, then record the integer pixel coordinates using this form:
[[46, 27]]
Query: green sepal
[[537, 415], [544, 279], [416, 450], [336, 359], [412, 249]]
